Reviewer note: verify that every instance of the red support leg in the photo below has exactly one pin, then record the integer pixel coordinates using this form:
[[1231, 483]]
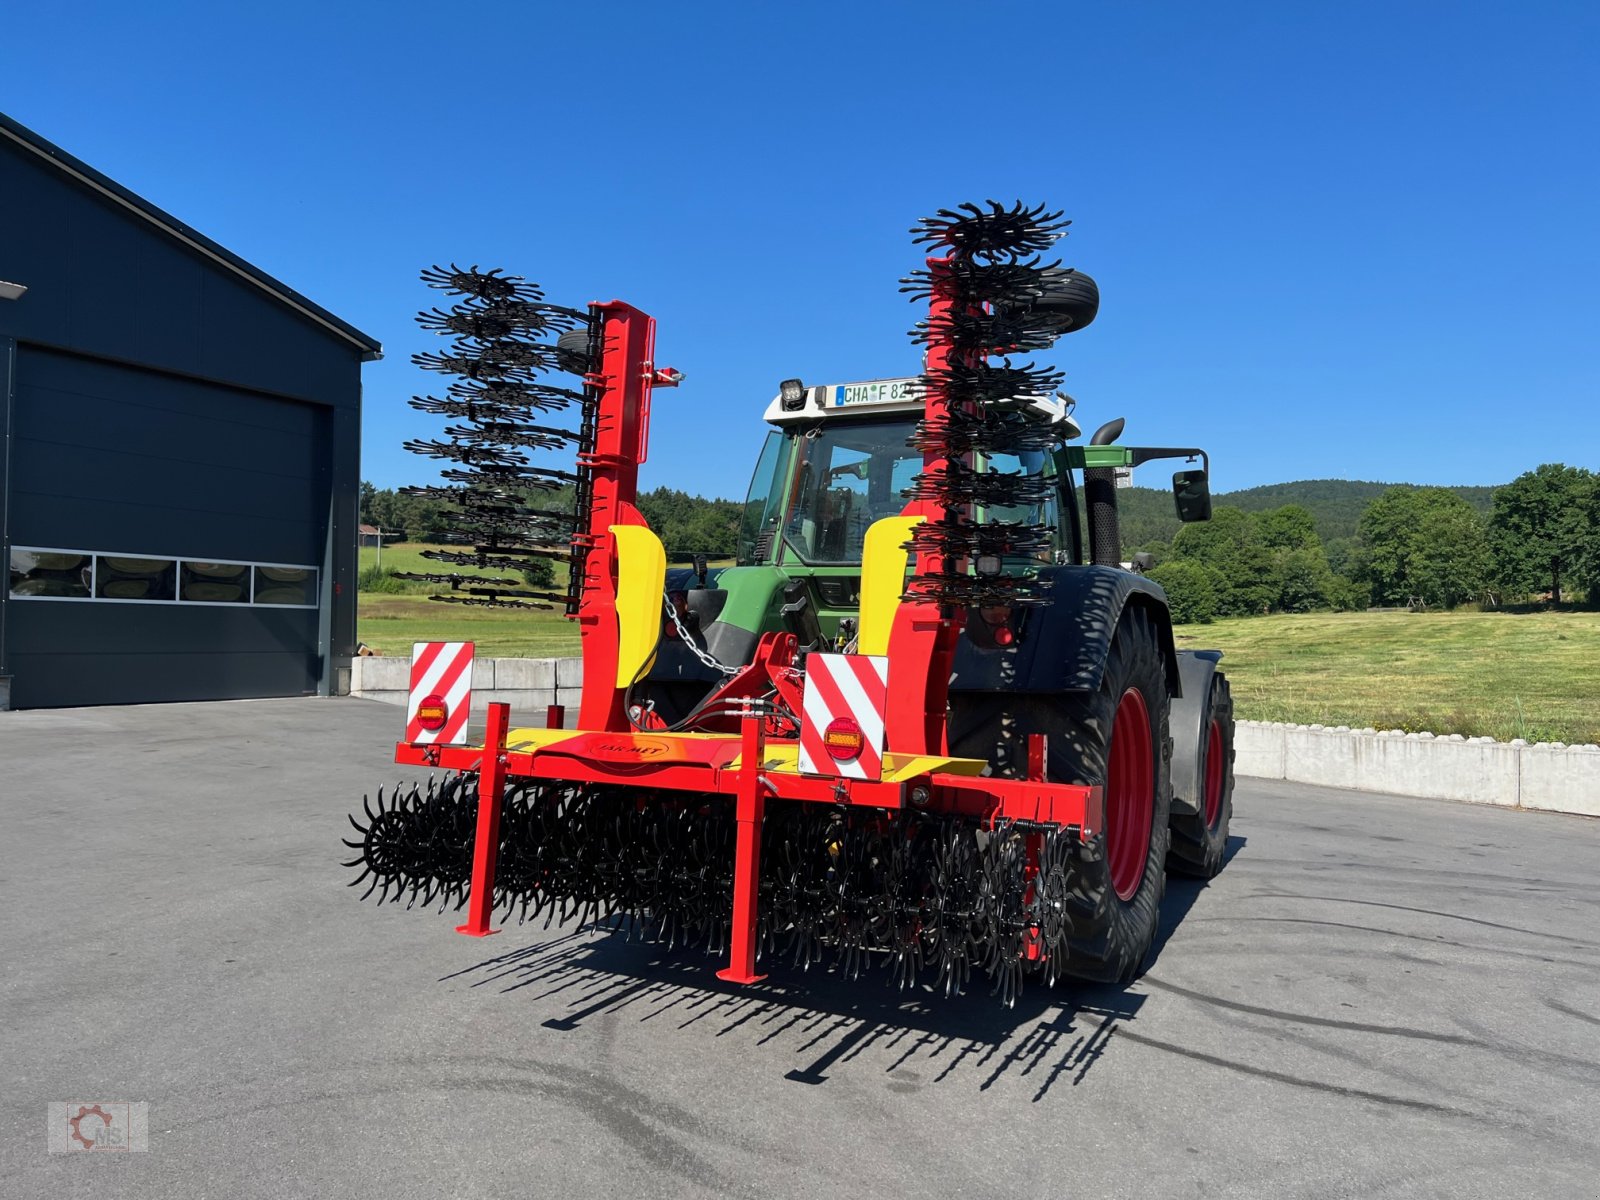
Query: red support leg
[[555, 717], [486, 849], [1038, 757], [751, 809]]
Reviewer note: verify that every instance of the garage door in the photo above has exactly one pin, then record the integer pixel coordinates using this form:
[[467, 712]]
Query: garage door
[[167, 537]]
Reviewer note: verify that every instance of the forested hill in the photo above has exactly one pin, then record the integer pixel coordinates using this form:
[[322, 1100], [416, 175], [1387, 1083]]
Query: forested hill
[[693, 524], [1335, 505]]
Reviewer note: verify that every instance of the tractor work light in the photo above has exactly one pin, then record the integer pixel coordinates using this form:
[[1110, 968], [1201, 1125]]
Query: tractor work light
[[792, 395], [988, 565], [843, 739], [432, 713]]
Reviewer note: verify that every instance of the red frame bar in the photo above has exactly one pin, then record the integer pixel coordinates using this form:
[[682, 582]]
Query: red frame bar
[[705, 766], [749, 813], [486, 847], [624, 379], [922, 640], [1038, 757]]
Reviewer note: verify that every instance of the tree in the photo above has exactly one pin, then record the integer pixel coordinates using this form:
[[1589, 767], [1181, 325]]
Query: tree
[[1229, 546], [1452, 563], [1589, 567], [1349, 595], [1191, 589], [539, 573], [1304, 583], [1288, 528], [1345, 556], [689, 525], [1423, 543], [1541, 528]]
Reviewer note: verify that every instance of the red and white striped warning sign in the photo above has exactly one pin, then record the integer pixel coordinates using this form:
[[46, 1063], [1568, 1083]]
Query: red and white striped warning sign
[[441, 692], [842, 729]]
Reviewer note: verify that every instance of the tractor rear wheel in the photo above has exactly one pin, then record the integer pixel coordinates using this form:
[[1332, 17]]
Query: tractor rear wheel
[[1115, 738], [1200, 837]]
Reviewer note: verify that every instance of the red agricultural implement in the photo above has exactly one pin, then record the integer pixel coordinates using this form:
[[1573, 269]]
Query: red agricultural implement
[[929, 719]]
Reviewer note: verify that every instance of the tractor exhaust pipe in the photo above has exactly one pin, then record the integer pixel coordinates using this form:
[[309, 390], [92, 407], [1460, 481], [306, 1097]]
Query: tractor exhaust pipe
[[1100, 501]]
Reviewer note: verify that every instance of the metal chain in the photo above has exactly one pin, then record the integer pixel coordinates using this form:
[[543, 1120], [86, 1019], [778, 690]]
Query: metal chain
[[688, 640]]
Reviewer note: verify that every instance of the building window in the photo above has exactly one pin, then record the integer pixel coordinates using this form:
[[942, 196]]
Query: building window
[[51, 574], [37, 573], [296, 586], [216, 583], [118, 578]]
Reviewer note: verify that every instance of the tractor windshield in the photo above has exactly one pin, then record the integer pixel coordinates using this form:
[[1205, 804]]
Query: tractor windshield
[[820, 488], [759, 520], [846, 475]]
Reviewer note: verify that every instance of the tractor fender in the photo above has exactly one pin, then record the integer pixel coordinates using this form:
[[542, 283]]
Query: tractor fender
[[1196, 669], [1063, 644]]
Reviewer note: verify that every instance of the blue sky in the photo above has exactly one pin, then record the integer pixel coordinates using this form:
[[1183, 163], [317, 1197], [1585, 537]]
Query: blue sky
[[1352, 240]]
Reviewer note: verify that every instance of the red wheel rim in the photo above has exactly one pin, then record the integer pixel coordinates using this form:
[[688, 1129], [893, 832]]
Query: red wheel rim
[[1130, 794], [1214, 767]]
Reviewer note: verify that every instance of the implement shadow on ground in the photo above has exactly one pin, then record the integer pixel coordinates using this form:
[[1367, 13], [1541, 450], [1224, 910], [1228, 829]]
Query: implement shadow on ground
[[829, 1024]]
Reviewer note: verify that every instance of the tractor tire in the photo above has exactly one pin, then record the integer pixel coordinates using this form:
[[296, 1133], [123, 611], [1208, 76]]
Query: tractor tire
[[1070, 298], [572, 351], [1116, 738], [1200, 838]]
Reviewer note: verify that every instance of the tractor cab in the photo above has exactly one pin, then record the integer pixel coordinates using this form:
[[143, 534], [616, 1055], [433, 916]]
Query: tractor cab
[[840, 458], [844, 456]]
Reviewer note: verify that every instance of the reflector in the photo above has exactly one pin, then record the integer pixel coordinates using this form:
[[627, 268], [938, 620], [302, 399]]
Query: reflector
[[433, 712], [843, 739]]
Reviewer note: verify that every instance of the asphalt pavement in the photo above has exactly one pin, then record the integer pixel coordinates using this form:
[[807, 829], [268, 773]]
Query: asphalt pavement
[[1378, 997]]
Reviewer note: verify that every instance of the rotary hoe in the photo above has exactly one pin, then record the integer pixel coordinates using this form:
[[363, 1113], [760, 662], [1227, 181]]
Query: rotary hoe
[[929, 724]]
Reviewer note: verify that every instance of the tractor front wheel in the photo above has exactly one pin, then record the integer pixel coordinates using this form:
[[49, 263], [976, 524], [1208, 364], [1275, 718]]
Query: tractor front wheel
[[1200, 826]]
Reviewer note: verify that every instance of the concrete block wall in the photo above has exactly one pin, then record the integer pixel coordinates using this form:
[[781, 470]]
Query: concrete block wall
[[1548, 775], [1561, 778], [529, 685]]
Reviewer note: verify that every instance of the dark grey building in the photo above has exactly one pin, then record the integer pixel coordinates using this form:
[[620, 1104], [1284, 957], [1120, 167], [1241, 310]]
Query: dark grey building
[[180, 455]]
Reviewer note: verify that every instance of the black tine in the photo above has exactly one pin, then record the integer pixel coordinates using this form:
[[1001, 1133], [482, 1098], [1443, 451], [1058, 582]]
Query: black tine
[[996, 281]]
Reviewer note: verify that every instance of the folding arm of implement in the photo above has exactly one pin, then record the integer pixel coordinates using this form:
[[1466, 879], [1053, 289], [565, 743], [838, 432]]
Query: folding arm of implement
[[759, 759]]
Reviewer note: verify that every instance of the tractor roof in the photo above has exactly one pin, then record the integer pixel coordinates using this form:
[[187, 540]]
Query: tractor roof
[[879, 397], [869, 397]]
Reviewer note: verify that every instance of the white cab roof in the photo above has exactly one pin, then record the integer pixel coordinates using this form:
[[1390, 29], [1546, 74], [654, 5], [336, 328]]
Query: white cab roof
[[873, 397]]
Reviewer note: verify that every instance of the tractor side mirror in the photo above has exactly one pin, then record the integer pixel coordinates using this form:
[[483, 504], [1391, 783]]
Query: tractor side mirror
[[1191, 494]]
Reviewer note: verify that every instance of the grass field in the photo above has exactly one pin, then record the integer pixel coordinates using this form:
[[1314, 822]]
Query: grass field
[[407, 556], [391, 622], [1504, 675]]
